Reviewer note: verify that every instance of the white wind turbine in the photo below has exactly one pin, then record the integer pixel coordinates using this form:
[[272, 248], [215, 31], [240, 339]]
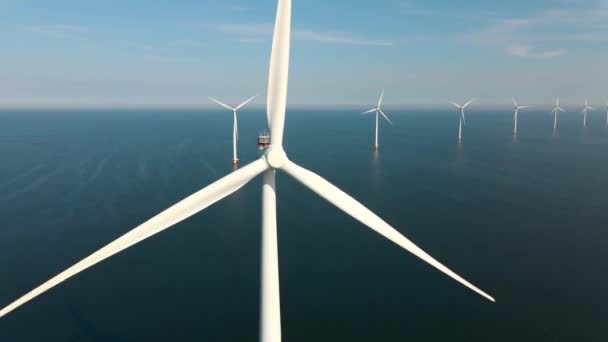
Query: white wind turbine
[[517, 108], [275, 159], [606, 113], [378, 110], [462, 119], [235, 124], [587, 107], [555, 111]]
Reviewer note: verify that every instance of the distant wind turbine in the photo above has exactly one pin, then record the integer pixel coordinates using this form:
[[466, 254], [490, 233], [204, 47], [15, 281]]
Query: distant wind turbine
[[555, 111], [517, 108], [274, 160], [378, 111], [587, 107], [235, 124], [463, 121], [606, 113]]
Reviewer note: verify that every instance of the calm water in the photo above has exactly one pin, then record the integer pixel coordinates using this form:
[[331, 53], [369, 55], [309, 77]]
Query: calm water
[[526, 221]]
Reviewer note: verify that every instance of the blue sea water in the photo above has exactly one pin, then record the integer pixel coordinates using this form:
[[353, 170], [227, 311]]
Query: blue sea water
[[525, 220]]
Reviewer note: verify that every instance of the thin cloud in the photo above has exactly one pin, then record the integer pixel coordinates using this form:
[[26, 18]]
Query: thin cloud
[[165, 59], [61, 31], [256, 33], [524, 51]]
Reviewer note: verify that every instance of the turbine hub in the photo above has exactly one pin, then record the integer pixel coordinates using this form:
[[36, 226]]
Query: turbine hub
[[276, 157]]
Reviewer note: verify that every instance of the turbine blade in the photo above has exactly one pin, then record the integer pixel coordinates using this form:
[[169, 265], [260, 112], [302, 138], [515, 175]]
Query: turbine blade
[[279, 72], [369, 111], [560, 108], [515, 103], [178, 212], [381, 96], [523, 107], [386, 117], [355, 209], [221, 104], [455, 104], [468, 103], [246, 102]]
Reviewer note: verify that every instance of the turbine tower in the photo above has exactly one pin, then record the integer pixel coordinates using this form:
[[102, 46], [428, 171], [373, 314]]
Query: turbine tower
[[463, 121], [517, 108], [378, 111], [275, 159], [555, 111], [587, 107], [235, 124]]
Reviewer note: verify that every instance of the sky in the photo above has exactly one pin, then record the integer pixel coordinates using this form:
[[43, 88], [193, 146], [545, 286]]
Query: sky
[[423, 52]]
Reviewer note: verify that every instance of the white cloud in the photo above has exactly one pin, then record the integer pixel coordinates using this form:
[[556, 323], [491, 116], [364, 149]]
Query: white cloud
[[255, 33], [62, 31], [524, 51]]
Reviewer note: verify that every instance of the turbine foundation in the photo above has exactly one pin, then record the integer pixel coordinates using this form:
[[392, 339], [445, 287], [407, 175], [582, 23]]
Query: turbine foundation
[[376, 147]]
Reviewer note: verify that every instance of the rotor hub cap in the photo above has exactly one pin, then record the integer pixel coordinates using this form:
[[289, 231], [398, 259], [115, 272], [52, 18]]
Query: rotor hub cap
[[276, 157]]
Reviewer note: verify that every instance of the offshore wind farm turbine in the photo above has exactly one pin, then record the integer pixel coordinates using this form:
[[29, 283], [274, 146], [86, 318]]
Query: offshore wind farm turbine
[[462, 119], [606, 113], [555, 111], [378, 111], [235, 124], [587, 107], [517, 108], [275, 159]]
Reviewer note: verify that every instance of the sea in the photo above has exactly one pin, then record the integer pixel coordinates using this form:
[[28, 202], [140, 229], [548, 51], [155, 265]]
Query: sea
[[524, 219]]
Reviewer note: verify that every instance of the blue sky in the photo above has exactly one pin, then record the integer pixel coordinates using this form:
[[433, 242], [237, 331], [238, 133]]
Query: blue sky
[[114, 53]]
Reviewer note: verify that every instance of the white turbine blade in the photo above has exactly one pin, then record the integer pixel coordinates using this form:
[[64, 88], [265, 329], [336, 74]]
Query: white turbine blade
[[279, 70], [514, 102], [178, 212], [523, 107], [560, 108], [456, 104], [369, 111], [381, 96], [589, 107], [355, 209], [386, 117], [270, 299], [246, 102], [468, 103], [221, 104], [554, 110]]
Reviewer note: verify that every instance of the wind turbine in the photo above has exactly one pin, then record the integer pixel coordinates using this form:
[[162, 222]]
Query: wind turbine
[[555, 111], [606, 113], [587, 107], [517, 108], [275, 159], [235, 124], [462, 119], [378, 110]]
